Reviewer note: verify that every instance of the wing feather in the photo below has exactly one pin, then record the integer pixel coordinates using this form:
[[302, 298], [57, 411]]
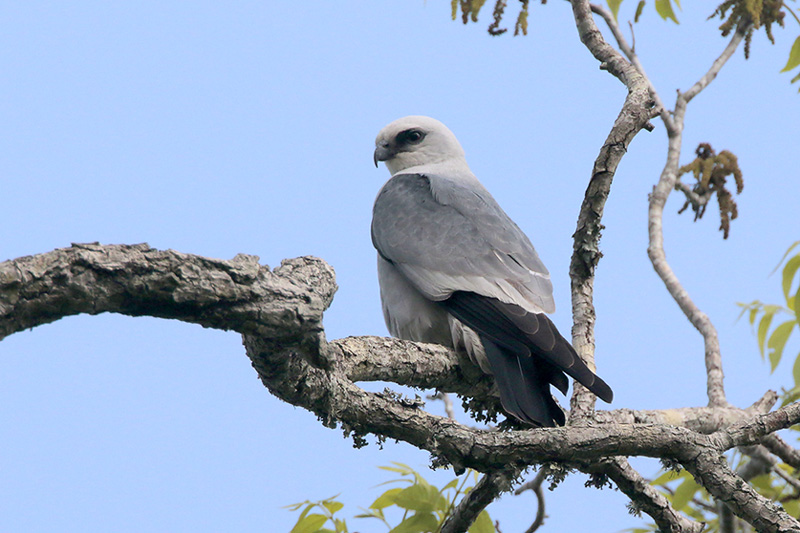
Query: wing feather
[[445, 236]]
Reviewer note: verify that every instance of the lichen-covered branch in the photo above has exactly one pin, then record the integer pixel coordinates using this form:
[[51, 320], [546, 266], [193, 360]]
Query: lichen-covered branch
[[137, 280], [279, 313], [644, 497], [635, 114]]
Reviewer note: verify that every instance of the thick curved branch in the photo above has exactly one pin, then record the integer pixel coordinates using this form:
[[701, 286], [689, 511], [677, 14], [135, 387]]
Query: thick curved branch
[[280, 312], [137, 280], [635, 114]]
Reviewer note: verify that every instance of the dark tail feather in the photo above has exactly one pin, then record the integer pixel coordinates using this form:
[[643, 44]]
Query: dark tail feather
[[524, 388]]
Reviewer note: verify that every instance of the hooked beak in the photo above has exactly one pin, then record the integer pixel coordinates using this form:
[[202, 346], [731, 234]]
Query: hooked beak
[[382, 153]]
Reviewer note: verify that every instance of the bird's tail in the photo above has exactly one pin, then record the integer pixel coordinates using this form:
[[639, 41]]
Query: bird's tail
[[523, 385]]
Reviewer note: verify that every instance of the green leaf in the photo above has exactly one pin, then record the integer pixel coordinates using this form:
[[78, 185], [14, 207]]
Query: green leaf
[[763, 326], [296, 506], [482, 524], [777, 341], [417, 523], [372, 513], [453, 484], [415, 498], [792, 507], [613, 5], [753, 314], [790, 396], [796, 371], [306, 511], [789, 271], [309, 524], [664, 9], [763, 484], [400, 468], [386, 499], [797, 306], [639, 9], [442, 504], [332, 506], [785, 255], [794, 57], [684, 493]]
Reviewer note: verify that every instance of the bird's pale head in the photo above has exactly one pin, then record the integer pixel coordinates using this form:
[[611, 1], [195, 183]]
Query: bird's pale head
[[417, 141]]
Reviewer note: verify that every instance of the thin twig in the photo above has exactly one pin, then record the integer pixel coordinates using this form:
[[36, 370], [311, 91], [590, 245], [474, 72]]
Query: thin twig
[[697, 200], [536, 486], [776, 445], [448, 403], [630, 53]]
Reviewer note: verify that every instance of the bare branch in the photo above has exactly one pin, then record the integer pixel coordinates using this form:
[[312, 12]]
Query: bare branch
[[697, 200], [711, 469], [715, 378], [448, 403], [709, 76], [536, 486], [630, 53]]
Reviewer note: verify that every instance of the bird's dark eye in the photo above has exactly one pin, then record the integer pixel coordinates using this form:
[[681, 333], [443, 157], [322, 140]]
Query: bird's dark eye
[[410, 137]]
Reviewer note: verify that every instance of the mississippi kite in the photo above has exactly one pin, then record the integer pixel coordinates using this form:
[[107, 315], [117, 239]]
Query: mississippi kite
[[454, 269]]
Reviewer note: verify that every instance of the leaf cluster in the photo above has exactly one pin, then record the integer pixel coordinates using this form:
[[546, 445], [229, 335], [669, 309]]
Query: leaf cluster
[[747, 16], [470, 8], [772, 340], [711, 170], [423, 506], [750, 15]]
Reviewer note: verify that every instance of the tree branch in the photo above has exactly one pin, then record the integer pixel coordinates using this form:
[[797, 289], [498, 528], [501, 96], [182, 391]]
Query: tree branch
[[713, 359], [635, 114], [475, 501], [644, 497], [630, 53], [279, 313], [536, 486], [137, 280]]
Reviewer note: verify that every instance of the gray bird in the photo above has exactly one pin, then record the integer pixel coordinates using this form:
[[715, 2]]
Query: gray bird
[[455, 270]]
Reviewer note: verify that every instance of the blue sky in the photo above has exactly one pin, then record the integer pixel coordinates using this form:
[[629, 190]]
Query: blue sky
[[248, 127]]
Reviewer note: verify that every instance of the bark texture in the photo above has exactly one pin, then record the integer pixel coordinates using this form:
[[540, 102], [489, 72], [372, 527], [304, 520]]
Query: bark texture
[[279, 313]]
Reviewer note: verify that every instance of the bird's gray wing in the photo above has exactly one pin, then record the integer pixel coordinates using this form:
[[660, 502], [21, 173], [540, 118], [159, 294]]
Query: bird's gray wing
[[446, 236]]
